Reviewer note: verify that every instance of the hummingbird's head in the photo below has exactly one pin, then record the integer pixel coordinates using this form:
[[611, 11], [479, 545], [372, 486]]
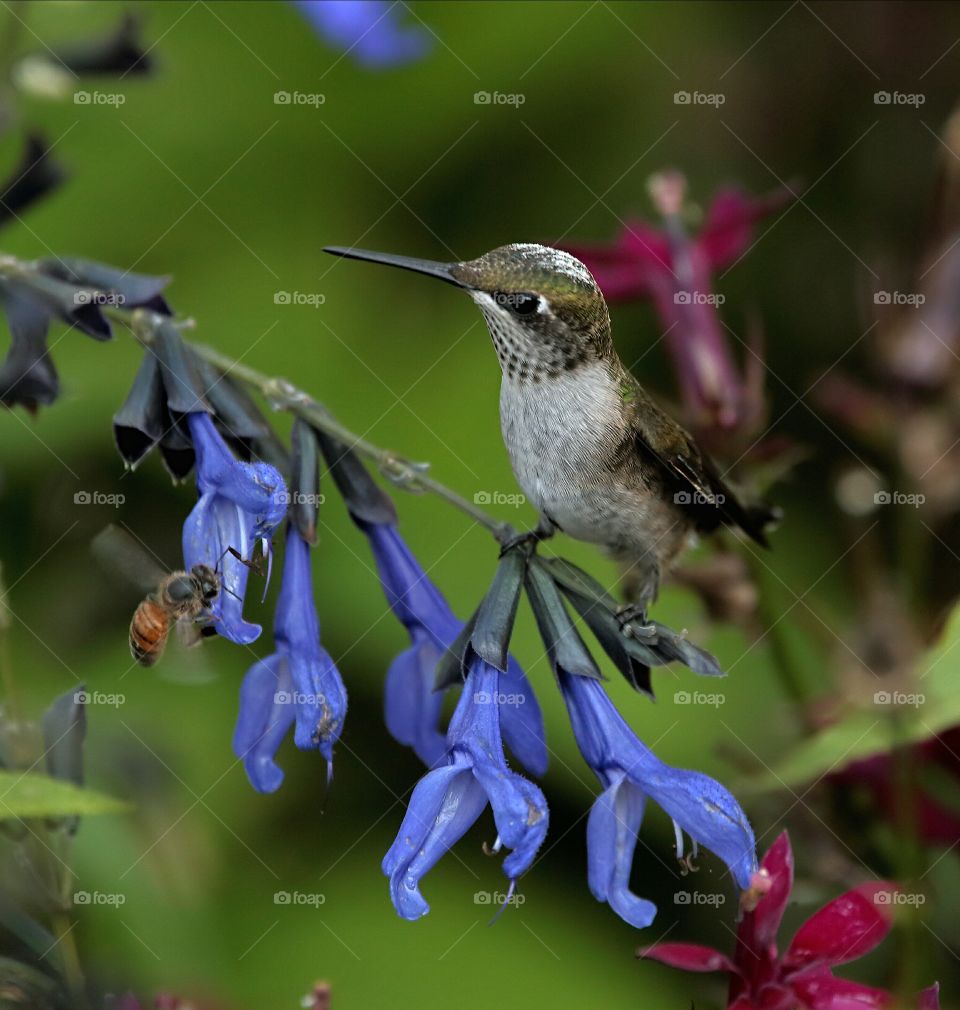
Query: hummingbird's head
[[543, 308]]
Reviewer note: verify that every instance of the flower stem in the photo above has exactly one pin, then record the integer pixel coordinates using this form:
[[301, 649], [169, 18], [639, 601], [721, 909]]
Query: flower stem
[[283, 395]]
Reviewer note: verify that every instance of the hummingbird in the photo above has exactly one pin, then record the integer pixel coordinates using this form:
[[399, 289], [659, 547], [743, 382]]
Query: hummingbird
[[592, 451]]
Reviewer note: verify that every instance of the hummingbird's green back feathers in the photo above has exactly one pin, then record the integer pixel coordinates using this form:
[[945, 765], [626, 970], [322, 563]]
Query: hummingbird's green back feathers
[[691, 479]]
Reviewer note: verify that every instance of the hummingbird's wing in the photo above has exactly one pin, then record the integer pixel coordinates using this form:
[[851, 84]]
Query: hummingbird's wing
[[690, 478]]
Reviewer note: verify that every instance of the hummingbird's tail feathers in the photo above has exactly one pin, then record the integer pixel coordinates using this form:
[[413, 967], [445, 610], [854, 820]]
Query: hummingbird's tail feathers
[[754, 519]]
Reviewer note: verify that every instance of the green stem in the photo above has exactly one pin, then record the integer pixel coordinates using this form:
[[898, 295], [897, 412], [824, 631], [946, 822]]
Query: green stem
[[774, 628], [283, 395], [11, 701]]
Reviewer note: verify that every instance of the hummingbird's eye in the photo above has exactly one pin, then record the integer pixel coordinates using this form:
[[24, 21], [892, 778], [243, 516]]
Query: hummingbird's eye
[[523, 304]]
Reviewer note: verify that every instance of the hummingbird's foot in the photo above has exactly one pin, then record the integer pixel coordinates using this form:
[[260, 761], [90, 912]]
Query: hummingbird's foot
[[543, 531], [633, 621], [528, 540]]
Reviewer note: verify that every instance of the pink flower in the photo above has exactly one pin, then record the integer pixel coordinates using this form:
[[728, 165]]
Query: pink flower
[[676, 271], [935, 822], [801, 978]]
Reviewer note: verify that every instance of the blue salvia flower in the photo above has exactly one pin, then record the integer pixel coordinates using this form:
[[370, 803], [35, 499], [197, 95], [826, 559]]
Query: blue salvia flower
[[240, 504], [630, 773], [450, 798], [368, 30], [298, 684], [411, 705]]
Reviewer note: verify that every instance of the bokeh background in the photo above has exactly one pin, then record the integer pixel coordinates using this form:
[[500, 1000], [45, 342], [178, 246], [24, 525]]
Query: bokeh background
[[201, 175]]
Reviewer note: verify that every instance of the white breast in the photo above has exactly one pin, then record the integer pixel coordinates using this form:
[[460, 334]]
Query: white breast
[[554, 431]]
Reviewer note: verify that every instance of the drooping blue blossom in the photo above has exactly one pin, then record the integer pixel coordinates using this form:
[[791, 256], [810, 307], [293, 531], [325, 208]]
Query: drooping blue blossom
[[369, 30], [450, 798], [412, 707], [240, 504], [297, 685], [630, 772]]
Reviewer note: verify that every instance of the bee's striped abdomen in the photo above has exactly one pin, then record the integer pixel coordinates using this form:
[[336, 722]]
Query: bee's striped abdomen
[[148, 632]]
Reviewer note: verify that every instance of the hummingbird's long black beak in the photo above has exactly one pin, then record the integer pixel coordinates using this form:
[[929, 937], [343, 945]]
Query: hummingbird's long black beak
[[432, 268]]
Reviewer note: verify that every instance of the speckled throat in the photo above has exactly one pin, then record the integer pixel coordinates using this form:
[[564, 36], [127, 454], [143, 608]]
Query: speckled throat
[[526, 355]]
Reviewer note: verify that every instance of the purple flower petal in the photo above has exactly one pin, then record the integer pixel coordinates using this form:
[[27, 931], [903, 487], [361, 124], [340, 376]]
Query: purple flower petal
[[443, 807], [239, 503], [612, 831], [411, 707], [698, 804], [367, 30], [448, 800], [266, 715]]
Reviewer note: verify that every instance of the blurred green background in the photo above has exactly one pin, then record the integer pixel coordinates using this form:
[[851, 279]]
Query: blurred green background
[[201, 175]]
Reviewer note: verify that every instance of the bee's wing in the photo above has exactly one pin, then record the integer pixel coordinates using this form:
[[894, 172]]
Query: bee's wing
[[189, 633], [118, 551], [187, 664]]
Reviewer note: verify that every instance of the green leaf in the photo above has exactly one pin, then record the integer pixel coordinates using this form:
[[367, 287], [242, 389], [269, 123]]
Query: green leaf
[[498, 611], [30, 794], [565, 647], [898, 716]]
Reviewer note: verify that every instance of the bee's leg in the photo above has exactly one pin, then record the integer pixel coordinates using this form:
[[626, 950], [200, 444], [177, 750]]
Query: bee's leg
[[253, 565]]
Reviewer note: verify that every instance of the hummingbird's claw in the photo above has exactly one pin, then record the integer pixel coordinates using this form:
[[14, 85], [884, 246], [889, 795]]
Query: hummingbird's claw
[[528, 540], [635, 612], [543, 531]]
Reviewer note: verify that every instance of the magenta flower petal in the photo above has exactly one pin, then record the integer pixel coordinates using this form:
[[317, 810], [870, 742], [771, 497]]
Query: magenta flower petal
[[929, 999], [757, 938], [845, 929], [675, 270], [821, 990], [688, 957], [730, 221]]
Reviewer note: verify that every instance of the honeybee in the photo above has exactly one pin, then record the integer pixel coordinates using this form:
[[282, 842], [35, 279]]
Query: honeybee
[[181, 600], [180, 596]]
